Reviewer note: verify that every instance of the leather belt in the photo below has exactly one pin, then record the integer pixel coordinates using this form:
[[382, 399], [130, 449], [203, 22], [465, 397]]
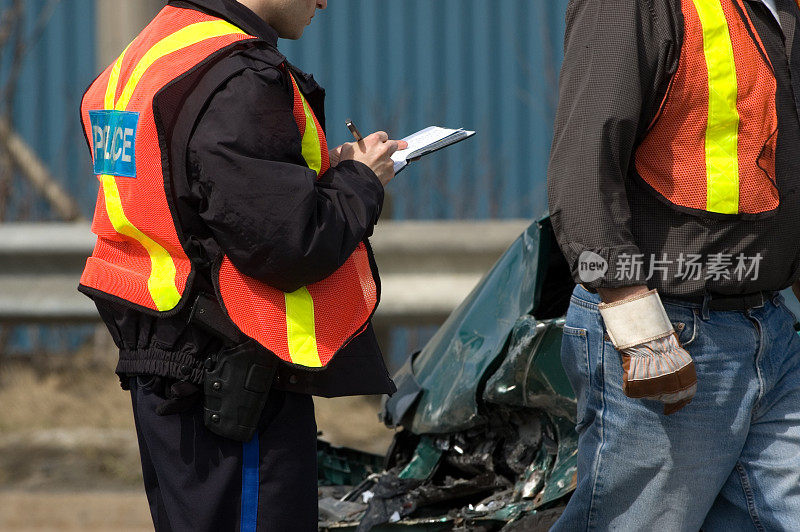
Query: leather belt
[[731, 302]]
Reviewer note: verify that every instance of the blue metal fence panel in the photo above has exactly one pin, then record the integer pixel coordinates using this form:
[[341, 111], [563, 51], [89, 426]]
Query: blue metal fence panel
[[486, 65], [46, 78], [57, 65]]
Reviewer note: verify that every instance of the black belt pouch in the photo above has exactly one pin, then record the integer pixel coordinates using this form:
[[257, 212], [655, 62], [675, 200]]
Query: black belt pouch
[[237, 380], [236, 387]]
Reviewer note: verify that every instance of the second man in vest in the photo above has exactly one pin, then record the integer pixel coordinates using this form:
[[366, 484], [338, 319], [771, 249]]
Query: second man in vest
[[674, 185]]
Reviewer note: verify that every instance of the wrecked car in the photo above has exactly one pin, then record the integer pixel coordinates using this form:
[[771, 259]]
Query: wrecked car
[[487, 415]]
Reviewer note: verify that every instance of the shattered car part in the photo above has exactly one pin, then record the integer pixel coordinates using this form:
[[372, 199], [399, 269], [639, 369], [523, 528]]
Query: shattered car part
[[488, 437]]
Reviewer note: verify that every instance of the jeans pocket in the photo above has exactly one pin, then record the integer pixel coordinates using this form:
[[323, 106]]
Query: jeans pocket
[[780, 302], [684, 321], [575, 360]]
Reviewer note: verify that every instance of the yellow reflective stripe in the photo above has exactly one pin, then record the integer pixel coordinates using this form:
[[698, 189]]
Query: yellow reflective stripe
[[300, 329], [312, 150], [182, 38], [311, 147], [161, 283], [113, 81], [722, 131]]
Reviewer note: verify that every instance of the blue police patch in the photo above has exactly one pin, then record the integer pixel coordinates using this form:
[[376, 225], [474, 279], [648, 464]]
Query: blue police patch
[[114, 142]]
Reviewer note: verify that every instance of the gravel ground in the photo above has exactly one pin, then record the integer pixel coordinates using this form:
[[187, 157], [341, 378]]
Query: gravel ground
[[92, 511]]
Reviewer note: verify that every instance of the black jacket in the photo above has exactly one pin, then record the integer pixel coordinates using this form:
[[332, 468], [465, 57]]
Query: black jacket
[[242, 188]]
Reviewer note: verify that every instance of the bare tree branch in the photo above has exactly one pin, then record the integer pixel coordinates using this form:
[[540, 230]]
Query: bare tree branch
[[10, 22], [23, 46], [15, 154], [37, 173]]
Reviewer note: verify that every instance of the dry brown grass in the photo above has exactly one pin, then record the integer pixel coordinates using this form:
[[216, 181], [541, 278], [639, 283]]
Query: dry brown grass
[[353, 422], [60, 393]]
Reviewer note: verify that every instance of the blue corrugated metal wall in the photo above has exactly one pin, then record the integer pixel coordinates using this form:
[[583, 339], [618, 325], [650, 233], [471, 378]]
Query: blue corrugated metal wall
[[58, 64], [488, 65]]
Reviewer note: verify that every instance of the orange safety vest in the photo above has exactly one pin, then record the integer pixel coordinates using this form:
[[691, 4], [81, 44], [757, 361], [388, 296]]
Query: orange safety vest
[[711, 147], [140, 258]]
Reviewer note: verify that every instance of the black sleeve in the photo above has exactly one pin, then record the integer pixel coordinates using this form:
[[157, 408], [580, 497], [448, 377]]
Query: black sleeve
[[619, 55], [265, 208]]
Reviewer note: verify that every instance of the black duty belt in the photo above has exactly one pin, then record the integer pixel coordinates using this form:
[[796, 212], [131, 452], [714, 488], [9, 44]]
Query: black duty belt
[[730, 302]]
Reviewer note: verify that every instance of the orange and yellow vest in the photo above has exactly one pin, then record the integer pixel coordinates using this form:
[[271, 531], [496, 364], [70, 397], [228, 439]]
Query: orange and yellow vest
[[711, 147], [140, 257]]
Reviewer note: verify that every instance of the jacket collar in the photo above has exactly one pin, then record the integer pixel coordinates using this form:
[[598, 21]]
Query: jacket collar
[[235, 13], [242, 17]]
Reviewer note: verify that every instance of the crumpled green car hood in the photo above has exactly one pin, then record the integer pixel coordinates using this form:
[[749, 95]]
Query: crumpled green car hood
[[444, 381]]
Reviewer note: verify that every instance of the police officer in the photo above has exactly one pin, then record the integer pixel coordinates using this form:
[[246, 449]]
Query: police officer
[[232, 265]]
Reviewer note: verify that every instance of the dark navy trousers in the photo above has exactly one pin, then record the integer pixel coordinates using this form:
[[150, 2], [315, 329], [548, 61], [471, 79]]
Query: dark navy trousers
[[198, 481]]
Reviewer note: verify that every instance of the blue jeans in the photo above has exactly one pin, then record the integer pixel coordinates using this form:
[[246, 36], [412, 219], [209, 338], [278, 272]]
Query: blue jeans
[[729, 461]]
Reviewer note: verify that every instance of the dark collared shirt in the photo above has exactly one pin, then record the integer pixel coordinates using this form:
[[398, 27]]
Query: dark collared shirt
[[618, 63]]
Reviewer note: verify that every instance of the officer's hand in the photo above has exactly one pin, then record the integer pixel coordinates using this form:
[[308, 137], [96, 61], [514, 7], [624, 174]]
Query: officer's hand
[[375, 151], [335, 155]]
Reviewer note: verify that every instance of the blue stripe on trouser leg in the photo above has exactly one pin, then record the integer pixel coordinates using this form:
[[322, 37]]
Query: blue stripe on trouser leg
[[249, 485]]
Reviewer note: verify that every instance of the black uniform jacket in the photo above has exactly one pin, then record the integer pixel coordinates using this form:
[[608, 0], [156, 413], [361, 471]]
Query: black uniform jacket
[[619, 59], [242, 188]]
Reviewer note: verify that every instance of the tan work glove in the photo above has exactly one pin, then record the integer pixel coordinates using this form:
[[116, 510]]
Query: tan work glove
[[654, 363]]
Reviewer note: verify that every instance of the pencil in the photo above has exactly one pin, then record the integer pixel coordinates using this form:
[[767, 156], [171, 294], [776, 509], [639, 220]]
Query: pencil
[[354, 130]]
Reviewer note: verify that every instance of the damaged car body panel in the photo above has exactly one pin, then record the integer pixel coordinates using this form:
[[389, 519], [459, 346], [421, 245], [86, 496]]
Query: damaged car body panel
[[530, 374], [472, 338], [487, 412]]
